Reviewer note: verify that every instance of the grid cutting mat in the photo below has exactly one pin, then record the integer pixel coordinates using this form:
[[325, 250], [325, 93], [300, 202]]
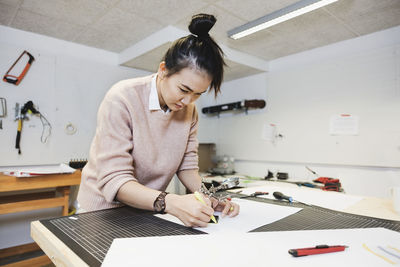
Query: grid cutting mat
[[90, 234], [318, 218]]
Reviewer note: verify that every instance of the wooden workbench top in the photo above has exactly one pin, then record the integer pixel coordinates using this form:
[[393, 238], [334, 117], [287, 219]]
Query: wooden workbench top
[[11, 183], [55, 249]]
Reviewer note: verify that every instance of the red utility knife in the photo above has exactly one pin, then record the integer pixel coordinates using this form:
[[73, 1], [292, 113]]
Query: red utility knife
[[297, 252]]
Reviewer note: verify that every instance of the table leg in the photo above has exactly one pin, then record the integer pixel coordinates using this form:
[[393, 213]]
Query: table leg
[[65, 194]]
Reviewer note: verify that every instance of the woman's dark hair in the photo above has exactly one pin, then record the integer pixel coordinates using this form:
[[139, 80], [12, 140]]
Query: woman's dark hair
[[197, 50]]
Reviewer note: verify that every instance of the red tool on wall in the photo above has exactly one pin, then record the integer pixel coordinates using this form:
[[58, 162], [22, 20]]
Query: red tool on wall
[[17, 78]]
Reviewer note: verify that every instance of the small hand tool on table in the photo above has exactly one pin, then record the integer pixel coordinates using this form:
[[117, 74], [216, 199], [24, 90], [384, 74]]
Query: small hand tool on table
[[256, 194], [298, 252]]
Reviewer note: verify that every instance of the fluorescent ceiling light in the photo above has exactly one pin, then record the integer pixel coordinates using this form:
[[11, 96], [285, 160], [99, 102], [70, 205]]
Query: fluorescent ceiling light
[[286, 13]]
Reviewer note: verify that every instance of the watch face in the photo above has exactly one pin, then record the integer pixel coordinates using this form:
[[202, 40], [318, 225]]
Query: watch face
[[159, 203]]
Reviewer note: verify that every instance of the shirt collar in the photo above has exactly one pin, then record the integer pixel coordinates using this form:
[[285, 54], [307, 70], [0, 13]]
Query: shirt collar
[[154, 101]]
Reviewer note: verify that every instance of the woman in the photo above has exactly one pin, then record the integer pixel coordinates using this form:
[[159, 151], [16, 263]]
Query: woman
[[147, 132]]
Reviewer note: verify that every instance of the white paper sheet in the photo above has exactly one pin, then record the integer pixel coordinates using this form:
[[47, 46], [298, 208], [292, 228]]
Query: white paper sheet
[[30, 171], [252, 215], [326, 199], [344, 124], [255, 249]]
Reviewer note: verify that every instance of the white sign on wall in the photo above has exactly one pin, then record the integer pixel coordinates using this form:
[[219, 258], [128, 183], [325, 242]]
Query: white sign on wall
[[343, 124], [269, 132]]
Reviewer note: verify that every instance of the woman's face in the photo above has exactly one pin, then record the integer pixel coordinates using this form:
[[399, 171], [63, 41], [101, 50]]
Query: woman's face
[[182, 88]]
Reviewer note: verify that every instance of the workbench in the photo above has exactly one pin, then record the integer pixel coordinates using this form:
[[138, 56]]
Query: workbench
[[19, 201], [65, 248], [21, 194]]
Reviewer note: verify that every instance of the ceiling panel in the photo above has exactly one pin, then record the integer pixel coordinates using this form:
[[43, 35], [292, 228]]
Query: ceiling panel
[[253, 9], [103, 40], [149, 61], [234, 70], [7, 13], [367, 16], [33, 22], [129, 26], [116, 25], [81, 12], [11, 2], [165, 12]]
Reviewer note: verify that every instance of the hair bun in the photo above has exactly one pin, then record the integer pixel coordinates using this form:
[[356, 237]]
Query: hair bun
[[201, 24]]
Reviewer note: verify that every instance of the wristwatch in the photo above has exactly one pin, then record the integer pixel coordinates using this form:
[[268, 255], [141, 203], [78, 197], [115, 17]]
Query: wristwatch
[[159, 203]]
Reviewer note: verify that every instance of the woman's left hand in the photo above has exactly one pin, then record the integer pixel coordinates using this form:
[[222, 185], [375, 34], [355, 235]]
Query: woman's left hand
[[227, 207]]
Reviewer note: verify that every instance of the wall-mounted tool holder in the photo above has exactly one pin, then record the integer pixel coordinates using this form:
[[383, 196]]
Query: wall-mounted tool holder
[[244, 105], [3, 110]]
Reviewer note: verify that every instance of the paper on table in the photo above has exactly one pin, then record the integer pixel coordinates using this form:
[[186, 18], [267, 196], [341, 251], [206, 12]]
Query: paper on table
[[30, 171], [326, 199], [253, 249], [252, 215]]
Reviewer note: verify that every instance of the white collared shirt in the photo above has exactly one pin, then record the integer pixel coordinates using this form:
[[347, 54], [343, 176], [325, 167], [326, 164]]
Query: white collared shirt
[[154, 101]]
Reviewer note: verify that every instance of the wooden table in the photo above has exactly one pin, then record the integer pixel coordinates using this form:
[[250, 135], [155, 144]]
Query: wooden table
[[59, 253], [62, 255], [17, 198], [33, 201]]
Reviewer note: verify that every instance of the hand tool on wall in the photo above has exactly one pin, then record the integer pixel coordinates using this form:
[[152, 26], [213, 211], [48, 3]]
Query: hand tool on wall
[[240, 105], [16, 79], [20, 116], [3, 110]]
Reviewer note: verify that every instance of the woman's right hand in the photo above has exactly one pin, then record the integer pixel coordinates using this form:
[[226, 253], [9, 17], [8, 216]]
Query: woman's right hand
[[189, 210]]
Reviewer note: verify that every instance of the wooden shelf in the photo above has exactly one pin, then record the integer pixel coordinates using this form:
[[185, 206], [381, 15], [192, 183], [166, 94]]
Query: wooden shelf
[[8, 254], [15, 200], [11, 183], [34, 201]]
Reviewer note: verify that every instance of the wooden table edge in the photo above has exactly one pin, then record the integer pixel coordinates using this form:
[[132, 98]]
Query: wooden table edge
[[55, 249], [381, 208]]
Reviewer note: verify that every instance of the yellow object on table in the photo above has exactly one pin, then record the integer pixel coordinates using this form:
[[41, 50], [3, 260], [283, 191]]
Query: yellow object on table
[[198, 196]]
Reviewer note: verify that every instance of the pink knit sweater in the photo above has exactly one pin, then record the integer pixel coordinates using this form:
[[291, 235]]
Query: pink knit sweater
[[133, 143]]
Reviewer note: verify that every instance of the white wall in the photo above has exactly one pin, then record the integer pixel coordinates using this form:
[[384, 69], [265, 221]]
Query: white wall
[[67, 81], [359, 76]]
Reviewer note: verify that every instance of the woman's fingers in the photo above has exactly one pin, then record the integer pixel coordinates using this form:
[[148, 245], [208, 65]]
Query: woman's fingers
[[228, 208], [197, 213], [214, 202], [198, 218], [194, 222], [234, 210]]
